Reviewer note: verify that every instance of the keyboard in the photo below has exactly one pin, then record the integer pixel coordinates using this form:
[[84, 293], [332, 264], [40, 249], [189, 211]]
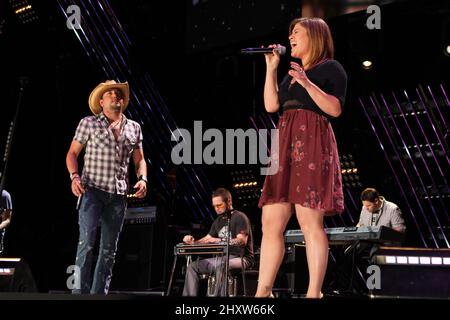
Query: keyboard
[[345, 235]]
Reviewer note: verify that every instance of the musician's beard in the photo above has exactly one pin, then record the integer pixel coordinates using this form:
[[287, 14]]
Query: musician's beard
[[115, 107]]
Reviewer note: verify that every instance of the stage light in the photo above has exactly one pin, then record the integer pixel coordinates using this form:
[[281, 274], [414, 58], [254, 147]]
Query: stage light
[[367, 64], [350, 173], [413, 260], [425, 260], [246, 187], [9, 259], [24, 11], [402, 260], [390, 259], [447, 51], [6, 271], [436, 260]]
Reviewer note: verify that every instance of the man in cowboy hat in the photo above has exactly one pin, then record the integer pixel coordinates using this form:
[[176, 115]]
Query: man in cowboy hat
[[109, 139]]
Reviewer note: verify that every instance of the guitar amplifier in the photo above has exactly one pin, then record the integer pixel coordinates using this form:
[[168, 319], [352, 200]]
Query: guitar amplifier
[[140, 215], [139, 263], [293, 276]]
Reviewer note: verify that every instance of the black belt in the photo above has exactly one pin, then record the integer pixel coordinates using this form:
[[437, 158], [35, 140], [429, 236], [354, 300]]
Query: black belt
[[301, 107], [292, 107]]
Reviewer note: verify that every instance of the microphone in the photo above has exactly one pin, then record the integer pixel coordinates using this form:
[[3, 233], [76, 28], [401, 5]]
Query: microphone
[[228, 213], [79, 202], [280, 49]]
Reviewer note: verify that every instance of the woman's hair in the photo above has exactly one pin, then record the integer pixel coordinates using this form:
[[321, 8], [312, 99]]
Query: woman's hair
[[369, 194], [223, 193], [322, 47]]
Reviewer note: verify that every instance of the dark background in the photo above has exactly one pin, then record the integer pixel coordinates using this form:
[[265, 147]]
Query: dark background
[[193, 60]]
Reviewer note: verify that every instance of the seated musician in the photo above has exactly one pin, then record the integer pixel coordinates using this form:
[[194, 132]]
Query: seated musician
[[5, 215], [377, 211], [241, 245]]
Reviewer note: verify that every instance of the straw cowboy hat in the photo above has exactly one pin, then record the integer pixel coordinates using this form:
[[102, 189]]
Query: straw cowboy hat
[[97, 93]]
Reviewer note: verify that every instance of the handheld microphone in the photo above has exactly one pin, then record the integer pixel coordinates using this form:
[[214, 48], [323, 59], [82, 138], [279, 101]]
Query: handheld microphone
[[280, 49], [79, 202]]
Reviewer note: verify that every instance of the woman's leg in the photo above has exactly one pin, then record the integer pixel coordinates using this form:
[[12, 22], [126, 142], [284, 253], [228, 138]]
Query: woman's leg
[[274, 220], [311, 223]]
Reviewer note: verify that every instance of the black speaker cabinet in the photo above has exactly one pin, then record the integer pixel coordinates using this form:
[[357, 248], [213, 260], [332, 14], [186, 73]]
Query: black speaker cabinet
[[139, 258], [413, 272], [16, 276], [294, 275]]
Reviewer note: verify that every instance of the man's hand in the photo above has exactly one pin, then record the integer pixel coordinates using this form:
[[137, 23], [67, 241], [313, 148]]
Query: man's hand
[[77, 188], [188, 239], [141, 187]]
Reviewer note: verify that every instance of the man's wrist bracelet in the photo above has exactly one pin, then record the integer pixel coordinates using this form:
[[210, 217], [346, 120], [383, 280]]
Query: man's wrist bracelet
[[143, 178], [74, 175]]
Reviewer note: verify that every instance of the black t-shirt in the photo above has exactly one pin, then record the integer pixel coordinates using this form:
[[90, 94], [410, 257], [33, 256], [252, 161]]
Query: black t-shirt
[[239, 223], [329, 76]]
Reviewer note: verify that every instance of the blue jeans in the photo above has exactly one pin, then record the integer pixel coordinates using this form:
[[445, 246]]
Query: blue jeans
[[108, 209]]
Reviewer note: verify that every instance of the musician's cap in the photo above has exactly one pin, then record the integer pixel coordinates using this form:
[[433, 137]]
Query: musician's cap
[[97, 93]]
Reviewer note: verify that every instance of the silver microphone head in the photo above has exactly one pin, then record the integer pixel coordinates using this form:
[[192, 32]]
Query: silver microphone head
[[281, 50]]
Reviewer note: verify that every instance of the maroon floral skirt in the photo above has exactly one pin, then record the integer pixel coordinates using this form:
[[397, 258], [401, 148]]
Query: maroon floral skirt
[[309, 171]]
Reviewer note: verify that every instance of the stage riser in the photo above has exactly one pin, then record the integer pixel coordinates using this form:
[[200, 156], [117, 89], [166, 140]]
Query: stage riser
[[414, 281]]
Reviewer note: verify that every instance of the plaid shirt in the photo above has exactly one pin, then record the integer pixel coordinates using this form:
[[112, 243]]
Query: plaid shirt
[[106, 160]]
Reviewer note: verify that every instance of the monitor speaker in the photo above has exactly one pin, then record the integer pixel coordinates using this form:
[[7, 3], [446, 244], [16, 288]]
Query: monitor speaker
[[16, 276], [413, 272]]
